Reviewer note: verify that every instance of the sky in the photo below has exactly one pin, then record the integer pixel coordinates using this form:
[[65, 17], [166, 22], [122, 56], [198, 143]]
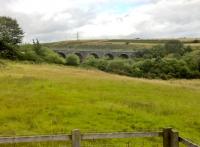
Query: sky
[[56, 20]]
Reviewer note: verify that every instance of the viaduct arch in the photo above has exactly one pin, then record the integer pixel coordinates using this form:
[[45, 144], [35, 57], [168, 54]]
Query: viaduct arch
[[110, 54]]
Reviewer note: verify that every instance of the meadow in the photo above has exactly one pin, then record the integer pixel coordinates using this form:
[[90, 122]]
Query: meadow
[[51, 99]]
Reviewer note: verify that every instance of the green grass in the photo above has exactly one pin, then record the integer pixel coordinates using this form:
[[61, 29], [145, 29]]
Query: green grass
[[115, 44], [49, 99]]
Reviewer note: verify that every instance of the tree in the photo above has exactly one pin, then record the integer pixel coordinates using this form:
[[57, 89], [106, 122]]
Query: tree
[[174, 46], [8, 51], [10, 35], [38, 48], [10, 32]]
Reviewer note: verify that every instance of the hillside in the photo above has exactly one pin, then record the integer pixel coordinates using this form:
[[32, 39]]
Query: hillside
[[135, 44], [42, 99]]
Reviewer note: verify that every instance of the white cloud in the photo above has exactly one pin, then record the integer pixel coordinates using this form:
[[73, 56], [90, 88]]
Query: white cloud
[[51, 20]]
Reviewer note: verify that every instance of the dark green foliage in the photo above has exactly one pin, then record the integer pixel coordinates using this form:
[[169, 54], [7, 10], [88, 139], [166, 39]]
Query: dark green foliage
[[156, 52], [8, 50], [29, 52], [155, 63], [193, 60], [171, 60], [10, 35], [119, 66], [188, 49], [72, 59], [38, 48], [174, 46], [90, 61], [102, 64], [10, 32]]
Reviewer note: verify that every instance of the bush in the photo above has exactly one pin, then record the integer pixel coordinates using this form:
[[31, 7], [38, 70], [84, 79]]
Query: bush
[[8, 50], [90, 61], [119, 66], [154, 63], [28, 52], [72, 59], [38, 48], [52, 57], [156, 52], [102, 64], [137, 72], [174, 46], [193, 60]]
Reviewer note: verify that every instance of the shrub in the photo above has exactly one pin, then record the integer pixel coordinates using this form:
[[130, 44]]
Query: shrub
[[90, 61], [8, 50], [72, 59], [193, 60], [52, 57], [174, 46], [119, 66], [175, 68], [102, 64], [156, 52], [38, 48], [28, 52], [136, 71]]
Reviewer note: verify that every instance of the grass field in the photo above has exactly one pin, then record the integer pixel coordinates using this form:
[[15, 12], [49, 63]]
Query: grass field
[[48, 99], [115, 44]]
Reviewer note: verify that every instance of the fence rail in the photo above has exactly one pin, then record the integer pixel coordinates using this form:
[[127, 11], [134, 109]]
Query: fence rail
[[26, 139], [170, 137], [120, 135], [187, 142]]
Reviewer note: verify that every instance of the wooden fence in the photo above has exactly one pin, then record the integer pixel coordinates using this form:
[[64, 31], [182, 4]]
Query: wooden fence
[[170, 137]]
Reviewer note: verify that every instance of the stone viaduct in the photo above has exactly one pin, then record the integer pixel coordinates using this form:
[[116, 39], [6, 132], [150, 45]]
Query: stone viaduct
[[111, 54]]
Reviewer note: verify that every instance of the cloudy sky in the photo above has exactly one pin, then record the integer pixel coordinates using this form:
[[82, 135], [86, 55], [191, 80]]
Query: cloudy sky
[[54, 20]]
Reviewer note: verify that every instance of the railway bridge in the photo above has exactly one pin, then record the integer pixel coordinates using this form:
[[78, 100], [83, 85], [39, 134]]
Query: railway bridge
[[111, 54]]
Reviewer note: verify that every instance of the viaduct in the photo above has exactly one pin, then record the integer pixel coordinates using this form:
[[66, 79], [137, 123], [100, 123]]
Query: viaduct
[[111, 54]]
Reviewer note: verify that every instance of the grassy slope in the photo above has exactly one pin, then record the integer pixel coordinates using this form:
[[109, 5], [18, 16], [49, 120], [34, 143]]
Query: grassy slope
[[40, 99], [114, 44]]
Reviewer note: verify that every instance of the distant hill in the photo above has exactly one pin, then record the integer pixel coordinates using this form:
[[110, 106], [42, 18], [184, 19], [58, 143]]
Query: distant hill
[[119, 44]]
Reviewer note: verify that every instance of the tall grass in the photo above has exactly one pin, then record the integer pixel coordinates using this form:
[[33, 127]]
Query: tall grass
[[49, 99]]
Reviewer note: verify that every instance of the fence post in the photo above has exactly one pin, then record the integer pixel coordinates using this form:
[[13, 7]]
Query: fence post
[[76, 138], [166, 137], [174, 139], [170, 138]]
